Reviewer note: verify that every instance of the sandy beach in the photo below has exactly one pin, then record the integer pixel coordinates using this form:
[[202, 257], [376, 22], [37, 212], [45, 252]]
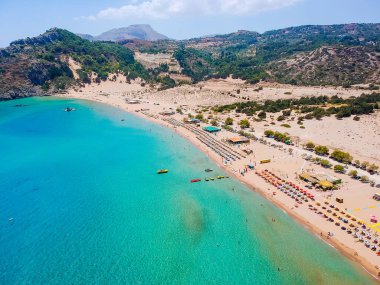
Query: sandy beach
[[287, 162]]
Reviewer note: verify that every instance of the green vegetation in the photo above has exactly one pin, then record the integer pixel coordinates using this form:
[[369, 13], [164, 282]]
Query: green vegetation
[[364, 179], [353, 173], [229, 121], [312, 107], [43, 61], [339, 168], [285, 125], [285, 138], [228, 128], [269, 133], [325, 163], [166, 82], [199, 116], [373, 168], [310, 145], [364, 164], [244, 124], [321, 150], [214, 123], [341, 156], [247, 55]]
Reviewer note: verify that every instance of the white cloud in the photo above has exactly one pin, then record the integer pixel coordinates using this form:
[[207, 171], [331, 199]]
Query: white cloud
[[158, 9]]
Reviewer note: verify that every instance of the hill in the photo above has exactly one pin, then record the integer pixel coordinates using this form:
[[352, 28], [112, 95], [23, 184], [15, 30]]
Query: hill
[[141, 32], [34, 66], [305, 55], [253, 57]]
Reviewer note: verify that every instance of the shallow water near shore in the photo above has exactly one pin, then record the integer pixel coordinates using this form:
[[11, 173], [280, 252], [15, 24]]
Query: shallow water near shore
[[81, 203]]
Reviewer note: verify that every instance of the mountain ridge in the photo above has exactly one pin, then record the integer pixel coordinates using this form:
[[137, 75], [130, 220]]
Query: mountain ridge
[[137, 31], [338, 55]]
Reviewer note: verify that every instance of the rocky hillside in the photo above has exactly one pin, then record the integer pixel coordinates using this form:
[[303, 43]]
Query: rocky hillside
[[42, 64], [140, 32], [312, 55], [331, 65], [252, 56]]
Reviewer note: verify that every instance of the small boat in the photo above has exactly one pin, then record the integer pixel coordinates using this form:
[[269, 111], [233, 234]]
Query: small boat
[[209, 169], [206, 179], [212, 178], [195, 180], [68, 109], [220, 177], [162, 171]]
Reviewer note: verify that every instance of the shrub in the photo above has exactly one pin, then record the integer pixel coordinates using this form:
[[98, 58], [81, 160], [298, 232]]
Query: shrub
[[321, 150], [341, 156], [325, 163], [228, 128], [339, 168], [364, 179], [310, 145], [229, 121], [262, 115], [269, 133], [286, 126], [373, 167], [353, 173], [244, 124], [199, 116], [364, 164]]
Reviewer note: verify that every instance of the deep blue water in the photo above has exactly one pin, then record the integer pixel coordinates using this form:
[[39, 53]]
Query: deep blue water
[[81, 203]]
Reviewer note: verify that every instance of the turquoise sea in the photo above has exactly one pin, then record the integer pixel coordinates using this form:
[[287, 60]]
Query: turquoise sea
[[81, 203]]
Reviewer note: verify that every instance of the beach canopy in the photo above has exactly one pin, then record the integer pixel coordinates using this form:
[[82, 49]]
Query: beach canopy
[[326, 184], [308, 177], [238, 140], [211, 129]]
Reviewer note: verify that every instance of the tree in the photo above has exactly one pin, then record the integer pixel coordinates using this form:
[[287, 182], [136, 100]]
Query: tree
[[310, 145], [341, 156], [229, 121], [244, 124], [325, 163], [199, 116], [269, 133], [373, 167], [357, 162], [364, 164], [364, 179], [262, 115], [214, 123], [321, 150], [339, 168], [353, 173]]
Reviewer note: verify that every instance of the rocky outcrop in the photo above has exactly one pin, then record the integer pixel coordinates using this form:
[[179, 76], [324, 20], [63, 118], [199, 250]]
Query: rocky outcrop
[[22, 92], [48, 37]]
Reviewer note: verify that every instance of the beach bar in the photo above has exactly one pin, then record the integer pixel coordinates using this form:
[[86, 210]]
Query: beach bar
[[193, 121], [211, 129], [238, 140]]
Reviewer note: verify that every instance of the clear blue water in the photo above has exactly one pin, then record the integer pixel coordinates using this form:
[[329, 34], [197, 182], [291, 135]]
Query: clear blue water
[[89, 208]]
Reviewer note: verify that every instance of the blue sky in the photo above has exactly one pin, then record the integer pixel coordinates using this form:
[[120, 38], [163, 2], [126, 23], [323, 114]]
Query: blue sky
[[177, 19]]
